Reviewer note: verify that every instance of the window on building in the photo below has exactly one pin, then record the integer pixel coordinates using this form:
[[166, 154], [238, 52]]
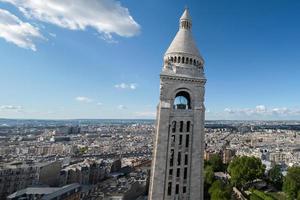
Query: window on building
[[185, 173], [188, 126], [169, 188], [184, 189], [173, 126], [181, 126], [186, 159], [170, 172], [180, 140], [187, 140], [177, 189], [179, 158], [173, 138], [178, 172], [172, 157], [182, 101]]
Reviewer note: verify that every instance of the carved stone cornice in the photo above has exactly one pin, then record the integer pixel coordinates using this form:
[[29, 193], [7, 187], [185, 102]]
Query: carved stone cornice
[[183, 79]]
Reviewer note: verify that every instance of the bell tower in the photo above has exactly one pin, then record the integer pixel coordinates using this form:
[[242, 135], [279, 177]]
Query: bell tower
[[177, 165]]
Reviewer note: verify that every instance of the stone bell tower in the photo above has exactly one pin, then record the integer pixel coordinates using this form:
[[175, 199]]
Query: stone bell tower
[[177, 165]]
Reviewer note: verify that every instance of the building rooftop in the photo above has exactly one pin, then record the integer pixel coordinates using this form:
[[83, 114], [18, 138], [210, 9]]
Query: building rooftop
[[48, 192]]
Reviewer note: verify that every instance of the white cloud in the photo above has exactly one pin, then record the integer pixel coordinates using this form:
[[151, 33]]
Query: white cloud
[[263, 111], [13, 30], [99, 104], [131, 86], [105, 16], [260, 109], [146, 114], [11, 108], [122, 107], [83, 99], [228, 110], [285, 111]]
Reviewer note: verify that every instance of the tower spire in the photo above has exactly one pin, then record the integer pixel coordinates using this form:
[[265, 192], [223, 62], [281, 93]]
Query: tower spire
[[183, 44], [186, 20]]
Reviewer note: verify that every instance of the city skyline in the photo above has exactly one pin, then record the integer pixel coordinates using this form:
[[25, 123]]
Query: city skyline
[[70, 65]]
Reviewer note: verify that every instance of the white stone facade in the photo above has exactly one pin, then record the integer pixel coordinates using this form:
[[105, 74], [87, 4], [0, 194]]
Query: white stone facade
[[177, 165]]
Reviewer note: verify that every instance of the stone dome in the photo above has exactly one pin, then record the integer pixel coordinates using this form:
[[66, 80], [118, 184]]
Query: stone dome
[[183, 41]]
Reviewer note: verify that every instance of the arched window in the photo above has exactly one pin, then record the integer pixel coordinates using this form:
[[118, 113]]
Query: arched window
[[173, 126], [175, 59], [182, 101], [182, 59], [171, 59], [194, 61], [187, 61], [191, 61], [179, 59]]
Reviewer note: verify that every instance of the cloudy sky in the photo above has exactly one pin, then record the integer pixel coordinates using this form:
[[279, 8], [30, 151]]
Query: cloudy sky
[[62, 59]]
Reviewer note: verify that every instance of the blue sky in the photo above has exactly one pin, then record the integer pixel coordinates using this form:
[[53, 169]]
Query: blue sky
[[102, 58]]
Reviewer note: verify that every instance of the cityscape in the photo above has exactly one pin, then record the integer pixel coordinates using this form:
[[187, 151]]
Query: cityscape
[[110, 159], [111, 100]]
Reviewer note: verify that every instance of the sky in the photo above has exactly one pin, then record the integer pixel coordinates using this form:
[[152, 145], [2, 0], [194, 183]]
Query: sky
[[76, 59]]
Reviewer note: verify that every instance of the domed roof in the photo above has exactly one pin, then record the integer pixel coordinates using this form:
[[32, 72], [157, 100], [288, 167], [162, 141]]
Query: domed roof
[[186, 15], [183, 41]]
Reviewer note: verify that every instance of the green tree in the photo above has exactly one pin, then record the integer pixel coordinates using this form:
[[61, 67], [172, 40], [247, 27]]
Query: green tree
[[219, 191], [244, 170], [291, 183], [275, 177], [209, 175], [256, 195], [216, 162]]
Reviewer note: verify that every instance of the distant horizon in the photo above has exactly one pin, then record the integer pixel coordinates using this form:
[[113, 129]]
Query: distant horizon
[[140, 119]]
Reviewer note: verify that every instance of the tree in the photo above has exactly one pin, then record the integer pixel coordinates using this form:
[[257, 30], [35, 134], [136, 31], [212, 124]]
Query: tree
[[219, 191], [244, 170], [259, 195], [275, 177], [291, 183], [216, 162], [209, 175]]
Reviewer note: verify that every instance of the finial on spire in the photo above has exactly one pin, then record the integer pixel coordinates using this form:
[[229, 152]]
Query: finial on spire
[[185, 19]]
